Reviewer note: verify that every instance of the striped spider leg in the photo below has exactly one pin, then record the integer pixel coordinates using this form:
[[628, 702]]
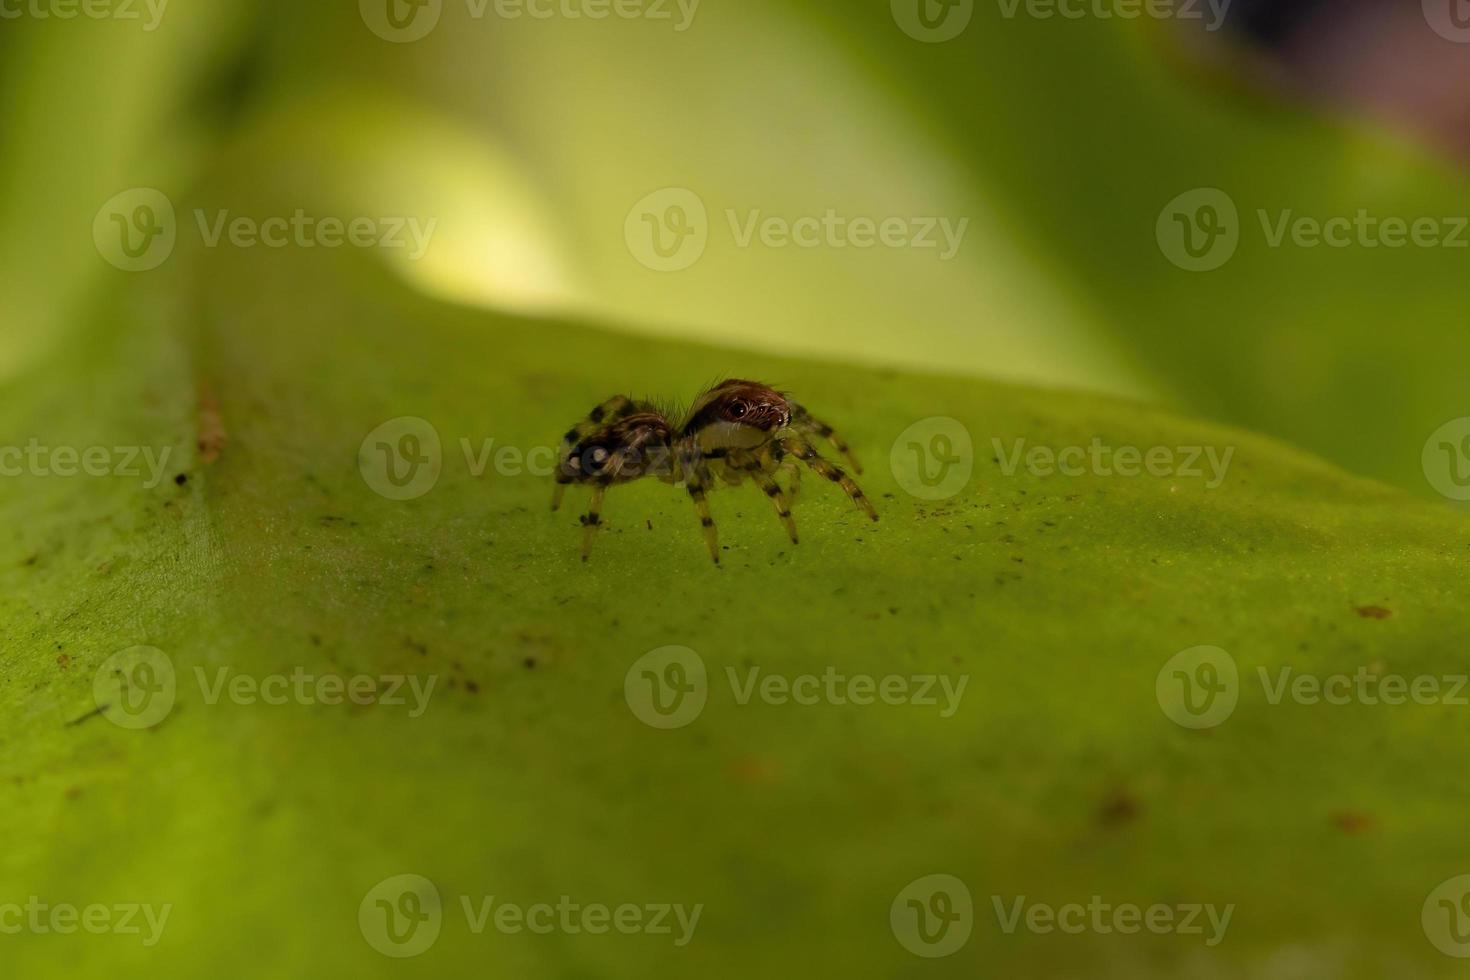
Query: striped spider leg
[[804, 423], [797, 446]]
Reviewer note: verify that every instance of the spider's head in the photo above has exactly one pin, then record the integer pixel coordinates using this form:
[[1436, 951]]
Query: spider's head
[[636, 446], [738, 415]]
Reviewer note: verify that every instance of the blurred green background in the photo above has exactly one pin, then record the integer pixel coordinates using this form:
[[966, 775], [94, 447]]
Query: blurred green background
[[1060, 141]]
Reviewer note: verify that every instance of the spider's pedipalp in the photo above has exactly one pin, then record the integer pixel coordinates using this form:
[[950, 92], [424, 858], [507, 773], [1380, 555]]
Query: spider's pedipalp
[[798, 446]]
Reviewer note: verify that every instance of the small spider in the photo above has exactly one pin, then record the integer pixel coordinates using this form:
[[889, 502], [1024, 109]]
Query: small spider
[[735, 430]]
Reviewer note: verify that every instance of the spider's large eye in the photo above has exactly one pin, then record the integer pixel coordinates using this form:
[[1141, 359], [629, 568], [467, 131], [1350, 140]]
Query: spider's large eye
[[737, 410]]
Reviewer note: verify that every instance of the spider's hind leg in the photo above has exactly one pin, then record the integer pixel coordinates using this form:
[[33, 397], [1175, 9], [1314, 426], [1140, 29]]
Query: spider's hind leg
[[804, 422], [592, 520], [614, 409]]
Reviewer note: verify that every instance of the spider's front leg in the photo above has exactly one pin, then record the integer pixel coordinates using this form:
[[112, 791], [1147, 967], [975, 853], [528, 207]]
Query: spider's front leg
[[696, 481], [792, 469], [807, 453], [804, 422], [759, 468]]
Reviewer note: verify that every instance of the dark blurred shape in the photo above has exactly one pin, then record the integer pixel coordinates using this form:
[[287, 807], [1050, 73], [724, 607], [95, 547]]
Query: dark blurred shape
[[1270, 22], [1404, 63]]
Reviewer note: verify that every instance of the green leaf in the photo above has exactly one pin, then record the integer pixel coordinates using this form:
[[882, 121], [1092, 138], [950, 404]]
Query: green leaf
[[1057, 599]]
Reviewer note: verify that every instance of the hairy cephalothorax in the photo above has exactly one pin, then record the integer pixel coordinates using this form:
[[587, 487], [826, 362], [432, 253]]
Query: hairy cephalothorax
[[734, 431]]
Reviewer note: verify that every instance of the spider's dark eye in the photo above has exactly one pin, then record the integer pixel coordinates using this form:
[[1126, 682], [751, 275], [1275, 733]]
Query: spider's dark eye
[[737, 410]]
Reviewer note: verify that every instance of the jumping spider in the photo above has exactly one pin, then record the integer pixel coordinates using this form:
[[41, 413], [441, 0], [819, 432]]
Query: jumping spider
[[737, 429]]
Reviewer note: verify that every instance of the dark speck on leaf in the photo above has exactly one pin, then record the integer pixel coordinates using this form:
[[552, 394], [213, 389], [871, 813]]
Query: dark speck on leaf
[[1353, 822], [530, 663], [1118, 808], [181, 479], [1374, 612]]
